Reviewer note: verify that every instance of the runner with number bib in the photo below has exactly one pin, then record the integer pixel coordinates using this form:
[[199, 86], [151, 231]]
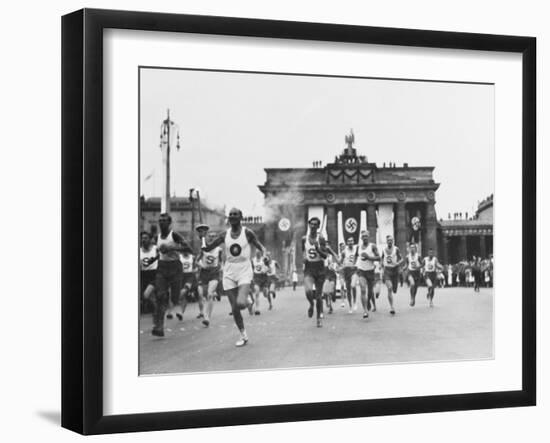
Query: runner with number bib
[[431, 266], [348, 258], [209, 276], [367, 254], [391, 261], [260, 281], [315, 252], [414, 264]]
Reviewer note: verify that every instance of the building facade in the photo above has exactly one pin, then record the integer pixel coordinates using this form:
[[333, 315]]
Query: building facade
[[462, 238], [349, 195]]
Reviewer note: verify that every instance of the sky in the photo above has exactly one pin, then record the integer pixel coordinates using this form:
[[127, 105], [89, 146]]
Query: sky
[[233, 125]]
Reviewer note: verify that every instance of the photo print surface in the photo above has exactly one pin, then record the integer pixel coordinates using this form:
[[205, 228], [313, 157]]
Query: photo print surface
[[298, 221]]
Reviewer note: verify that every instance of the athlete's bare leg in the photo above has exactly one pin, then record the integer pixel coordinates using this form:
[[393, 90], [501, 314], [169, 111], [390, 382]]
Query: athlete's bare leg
[[350, 295], [319, 299], [310, 293], [364, 300], [238, 297], [270, 295], [183, 300], [431, 290], [412, 286], [371, 304], [257, 293], [389, 287], [210, 289], [377, 289], [148, 292]]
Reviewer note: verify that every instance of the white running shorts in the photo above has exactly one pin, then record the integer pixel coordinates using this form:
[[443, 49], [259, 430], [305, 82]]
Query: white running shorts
[[236, 274]]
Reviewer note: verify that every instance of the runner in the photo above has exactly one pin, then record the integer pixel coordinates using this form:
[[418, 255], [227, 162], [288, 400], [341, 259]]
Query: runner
[[272, 278], [378, 273], [209, 276], [169, 270], [315, 252], [348, 258], [340, 281], [187, 281], [413, 264], [367, 254], [294, 280], [329, 285], [260, 281], [237, 270], [391, 261], [431, 266], [148, 256]]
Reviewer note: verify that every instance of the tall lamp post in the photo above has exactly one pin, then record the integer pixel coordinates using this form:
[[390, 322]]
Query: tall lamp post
[[167, 128]]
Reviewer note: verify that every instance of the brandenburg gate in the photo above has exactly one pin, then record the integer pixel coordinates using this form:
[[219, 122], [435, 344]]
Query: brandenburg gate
[[349, 195]]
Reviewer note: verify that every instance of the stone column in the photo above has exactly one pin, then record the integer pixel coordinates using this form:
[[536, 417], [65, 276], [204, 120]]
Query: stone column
[[463, 248], [482, 246], [401, 227], [371, 222], [445, 252], [332, 227], [430, 240]]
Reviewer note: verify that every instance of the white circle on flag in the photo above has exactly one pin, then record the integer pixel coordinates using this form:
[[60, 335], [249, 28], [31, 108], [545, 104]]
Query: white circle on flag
[[284, 224], [350, 225]]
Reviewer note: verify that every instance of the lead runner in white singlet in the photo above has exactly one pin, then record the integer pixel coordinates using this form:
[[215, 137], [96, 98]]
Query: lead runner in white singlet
[[237, 271]]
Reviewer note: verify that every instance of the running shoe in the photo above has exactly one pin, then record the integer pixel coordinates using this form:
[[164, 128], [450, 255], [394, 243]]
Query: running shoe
[[319, 323], [392, 312], [201, 315], [256, 312], [310, 311], [243, 340], [157, 332], [169, 316], [180, 317], [206, 322], [365, 315]]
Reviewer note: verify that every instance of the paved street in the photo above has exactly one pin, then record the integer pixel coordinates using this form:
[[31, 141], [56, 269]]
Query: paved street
[[460, 326]]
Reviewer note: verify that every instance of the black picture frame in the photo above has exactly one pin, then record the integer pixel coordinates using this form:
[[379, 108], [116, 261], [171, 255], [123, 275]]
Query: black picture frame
[[82, 220]]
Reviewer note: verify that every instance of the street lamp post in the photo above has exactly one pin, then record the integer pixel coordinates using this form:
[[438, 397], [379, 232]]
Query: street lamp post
[[165, 142]]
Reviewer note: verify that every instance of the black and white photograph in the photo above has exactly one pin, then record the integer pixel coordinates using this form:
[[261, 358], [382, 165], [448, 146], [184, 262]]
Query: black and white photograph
[[307, 221]]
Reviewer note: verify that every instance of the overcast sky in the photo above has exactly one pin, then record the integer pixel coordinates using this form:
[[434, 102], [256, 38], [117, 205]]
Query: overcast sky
[[232, 125]]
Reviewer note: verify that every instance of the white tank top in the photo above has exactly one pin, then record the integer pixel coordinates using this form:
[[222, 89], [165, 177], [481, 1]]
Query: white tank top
[[187, 263], [429, 264], [259, 265], [152, 253], [349, 257], [414, 262], [390, 257], [311, 253], [211, 259], [168, 241], [364, 263], [237, 250], [272, 268]]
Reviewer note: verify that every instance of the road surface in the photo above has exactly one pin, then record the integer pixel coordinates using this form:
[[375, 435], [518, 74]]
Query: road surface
[[459, 327]]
